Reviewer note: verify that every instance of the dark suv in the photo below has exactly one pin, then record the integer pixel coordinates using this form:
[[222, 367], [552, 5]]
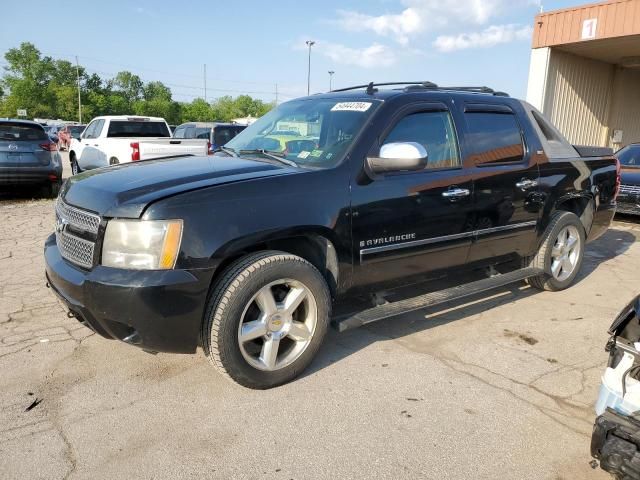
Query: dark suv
[[245, 253], [218, 134], [629, 198], [28, 156]]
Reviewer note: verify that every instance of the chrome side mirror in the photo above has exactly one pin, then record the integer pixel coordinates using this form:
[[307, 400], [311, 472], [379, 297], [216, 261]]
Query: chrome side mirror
[[398, 157]]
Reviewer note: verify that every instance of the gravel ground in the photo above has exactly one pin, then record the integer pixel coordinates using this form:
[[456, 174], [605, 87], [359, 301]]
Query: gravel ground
[[500, 386]]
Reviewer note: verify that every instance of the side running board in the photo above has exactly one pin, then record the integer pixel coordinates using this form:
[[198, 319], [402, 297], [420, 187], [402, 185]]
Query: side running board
[[430, 299]]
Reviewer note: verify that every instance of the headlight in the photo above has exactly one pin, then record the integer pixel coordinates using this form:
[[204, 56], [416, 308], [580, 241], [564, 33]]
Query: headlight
[[142, 244]]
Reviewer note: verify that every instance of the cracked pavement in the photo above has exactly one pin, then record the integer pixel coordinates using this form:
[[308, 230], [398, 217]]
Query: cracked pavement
[[497, 386]]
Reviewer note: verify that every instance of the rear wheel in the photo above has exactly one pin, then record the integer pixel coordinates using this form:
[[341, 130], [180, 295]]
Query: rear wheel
[[266, 319], [561, 253], [51, 190], [114, 161]]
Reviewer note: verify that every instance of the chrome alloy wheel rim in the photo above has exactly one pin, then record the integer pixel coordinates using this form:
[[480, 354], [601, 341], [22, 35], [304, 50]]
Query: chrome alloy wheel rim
[[565, 253], [277, 325]]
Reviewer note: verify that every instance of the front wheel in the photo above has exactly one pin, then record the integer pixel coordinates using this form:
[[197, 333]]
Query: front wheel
[[561, 253], [75, 168], [266, 319]]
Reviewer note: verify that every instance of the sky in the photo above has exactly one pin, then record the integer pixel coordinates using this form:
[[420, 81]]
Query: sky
[[251, 46]]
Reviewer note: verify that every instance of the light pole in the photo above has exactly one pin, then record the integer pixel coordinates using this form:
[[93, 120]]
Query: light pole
[[330, 72], [310, 43]]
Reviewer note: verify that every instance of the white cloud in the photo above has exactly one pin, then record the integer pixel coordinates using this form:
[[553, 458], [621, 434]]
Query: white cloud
[[399, 26], [428, 15], [375, 55], [488, 37]]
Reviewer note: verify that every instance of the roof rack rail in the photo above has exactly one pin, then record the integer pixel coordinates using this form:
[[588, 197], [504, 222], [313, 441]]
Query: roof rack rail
[[426, 85], [371, 86]]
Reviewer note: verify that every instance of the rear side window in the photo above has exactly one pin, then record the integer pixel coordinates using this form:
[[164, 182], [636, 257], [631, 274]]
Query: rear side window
[[203, 133], [434, 131], [121, 128], [494, 138], [222, 135], [14, 132]]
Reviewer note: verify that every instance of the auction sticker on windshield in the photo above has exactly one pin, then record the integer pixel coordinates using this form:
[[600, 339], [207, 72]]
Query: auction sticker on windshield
[[351, 107]]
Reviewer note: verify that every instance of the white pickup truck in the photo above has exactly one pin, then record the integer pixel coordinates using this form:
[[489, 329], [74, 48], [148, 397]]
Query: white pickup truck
[[111, 140]]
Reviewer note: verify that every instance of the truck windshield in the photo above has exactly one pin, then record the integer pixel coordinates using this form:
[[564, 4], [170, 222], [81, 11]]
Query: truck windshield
[[313, 133], [122, 128], [630, 156]]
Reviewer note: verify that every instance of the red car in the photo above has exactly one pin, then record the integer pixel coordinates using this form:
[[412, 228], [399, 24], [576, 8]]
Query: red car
[[67, 133]]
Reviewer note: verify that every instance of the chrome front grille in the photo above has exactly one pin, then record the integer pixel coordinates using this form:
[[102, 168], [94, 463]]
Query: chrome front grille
[[75, 249], [630, 189], [72, 222], [80, 219]]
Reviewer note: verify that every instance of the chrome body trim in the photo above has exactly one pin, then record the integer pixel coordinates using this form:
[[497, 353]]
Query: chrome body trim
[[446, 238]]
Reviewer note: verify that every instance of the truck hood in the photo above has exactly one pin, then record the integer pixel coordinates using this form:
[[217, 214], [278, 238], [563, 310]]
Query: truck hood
[[125, 190], [630, 176]]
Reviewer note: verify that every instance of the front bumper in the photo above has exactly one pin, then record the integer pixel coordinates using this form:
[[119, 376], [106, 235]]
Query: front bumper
[[158, 310], [615, 442], [628, 204]]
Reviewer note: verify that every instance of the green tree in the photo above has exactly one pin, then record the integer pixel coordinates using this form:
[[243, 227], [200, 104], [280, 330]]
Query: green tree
[[48, 88], [156, 91], [197, 111], [129, 85]]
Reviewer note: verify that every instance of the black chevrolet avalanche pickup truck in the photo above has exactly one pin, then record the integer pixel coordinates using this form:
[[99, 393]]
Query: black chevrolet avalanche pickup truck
[[245, 252]]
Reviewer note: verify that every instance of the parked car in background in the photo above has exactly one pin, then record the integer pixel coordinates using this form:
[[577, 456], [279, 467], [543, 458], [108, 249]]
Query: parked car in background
[[217, 134], [29, 157], [112, 140], [629, 198], [52, 132], [67, 133], [615, 440], [245, 254]]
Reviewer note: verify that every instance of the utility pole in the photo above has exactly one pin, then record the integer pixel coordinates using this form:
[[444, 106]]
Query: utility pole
[[79, 101], [310, 43], [205, 82], [331, 72], [276, 94]]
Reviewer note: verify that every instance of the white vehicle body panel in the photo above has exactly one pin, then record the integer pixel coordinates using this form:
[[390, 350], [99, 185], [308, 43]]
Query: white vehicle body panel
[[96, 149]]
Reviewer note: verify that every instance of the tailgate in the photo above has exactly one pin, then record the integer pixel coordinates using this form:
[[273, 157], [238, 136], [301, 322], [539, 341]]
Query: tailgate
[[23, 154], [170, 147]]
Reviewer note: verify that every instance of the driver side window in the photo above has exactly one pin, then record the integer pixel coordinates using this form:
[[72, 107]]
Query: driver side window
[[434, 131], [89, 132]]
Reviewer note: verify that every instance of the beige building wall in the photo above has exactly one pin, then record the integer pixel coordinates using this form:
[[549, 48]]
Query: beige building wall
[[625, 107], [577, 97]]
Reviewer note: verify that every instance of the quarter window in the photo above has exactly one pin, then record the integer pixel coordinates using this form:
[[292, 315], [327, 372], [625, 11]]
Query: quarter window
[[494, 138], [434, 131]]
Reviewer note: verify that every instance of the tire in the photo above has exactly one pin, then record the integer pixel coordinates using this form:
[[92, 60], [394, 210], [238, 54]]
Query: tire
[[113, 161], [51, 190], [237, 299], [54, 189], [75, 168], [555, 249]]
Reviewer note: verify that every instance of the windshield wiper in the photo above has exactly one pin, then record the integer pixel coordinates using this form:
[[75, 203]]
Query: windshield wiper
[[272, 155]]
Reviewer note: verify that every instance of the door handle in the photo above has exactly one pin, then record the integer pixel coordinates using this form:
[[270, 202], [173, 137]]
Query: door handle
[[526, 184], [454, 193]]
